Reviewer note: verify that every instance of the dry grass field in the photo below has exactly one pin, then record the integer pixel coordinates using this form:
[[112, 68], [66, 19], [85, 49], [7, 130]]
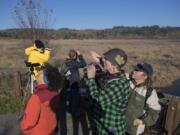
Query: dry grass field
[[162, 54]]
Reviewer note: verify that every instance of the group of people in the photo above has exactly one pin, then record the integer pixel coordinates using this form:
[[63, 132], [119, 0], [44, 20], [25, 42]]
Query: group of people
[[118, 103]]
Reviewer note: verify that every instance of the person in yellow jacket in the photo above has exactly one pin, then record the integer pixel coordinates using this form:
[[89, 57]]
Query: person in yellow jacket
[[38, 53]]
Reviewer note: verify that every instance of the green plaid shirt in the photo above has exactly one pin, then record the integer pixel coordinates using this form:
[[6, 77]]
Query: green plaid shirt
[[109, 106]]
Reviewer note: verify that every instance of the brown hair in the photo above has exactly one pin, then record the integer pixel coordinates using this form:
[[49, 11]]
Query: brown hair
[[72, 54], [147, 83], [55, 79]]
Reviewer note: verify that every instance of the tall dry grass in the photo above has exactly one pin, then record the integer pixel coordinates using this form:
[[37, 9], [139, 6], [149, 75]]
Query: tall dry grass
[[162, 54]]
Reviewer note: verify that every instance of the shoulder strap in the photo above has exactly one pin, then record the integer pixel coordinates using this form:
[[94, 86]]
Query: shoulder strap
[[148, 94]]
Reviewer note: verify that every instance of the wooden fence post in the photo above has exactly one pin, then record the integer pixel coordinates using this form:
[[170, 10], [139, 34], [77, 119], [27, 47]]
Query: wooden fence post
[[17, 84]]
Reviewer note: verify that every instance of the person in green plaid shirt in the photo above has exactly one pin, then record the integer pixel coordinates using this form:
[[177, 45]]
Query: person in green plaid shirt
[[109, 103]]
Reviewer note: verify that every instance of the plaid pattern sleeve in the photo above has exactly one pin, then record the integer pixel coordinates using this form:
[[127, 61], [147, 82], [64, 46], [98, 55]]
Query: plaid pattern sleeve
[[110, 105]]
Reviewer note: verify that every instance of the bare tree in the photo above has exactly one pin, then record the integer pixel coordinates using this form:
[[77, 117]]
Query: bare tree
[[34, 21]]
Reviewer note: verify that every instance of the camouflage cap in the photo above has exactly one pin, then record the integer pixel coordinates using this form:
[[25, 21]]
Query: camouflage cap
[[116, 57]]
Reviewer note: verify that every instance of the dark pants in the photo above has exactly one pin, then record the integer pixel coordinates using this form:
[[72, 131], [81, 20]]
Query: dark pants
[[83, 121], [70, 103], [61, 116]]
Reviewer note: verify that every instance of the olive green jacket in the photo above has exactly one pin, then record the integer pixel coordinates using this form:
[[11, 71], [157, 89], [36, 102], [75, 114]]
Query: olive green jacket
[[136, 108]]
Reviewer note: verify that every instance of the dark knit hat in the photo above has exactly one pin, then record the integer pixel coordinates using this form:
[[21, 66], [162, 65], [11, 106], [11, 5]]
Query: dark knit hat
[[39, 44], [116, 57]]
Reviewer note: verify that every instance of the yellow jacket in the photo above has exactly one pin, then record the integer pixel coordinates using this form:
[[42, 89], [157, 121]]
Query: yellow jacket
[[35, 55]]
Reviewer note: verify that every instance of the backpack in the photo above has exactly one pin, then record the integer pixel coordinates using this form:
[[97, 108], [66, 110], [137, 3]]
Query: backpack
[[65, 70]]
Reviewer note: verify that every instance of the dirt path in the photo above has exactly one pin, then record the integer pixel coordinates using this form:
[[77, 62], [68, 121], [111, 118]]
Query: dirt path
[[9, 124]]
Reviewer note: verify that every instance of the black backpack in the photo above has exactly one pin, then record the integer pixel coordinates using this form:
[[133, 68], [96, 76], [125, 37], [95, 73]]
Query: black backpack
[[65, 70]]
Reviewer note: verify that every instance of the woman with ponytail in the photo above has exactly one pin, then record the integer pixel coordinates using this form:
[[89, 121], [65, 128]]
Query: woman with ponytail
[[143, 106]]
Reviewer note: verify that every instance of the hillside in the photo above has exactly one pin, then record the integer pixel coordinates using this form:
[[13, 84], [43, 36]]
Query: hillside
[[117, 32]]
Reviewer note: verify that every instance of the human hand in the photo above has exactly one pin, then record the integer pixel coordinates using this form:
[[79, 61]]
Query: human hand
[[91, 71], [95, 57], [137, 122], [41, 50], [78, 53]]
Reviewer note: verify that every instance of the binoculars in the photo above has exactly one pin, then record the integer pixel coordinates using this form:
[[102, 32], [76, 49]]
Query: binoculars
[[31, 65]]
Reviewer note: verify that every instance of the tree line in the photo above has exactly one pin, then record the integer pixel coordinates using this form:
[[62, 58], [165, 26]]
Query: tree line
[[117, 32]]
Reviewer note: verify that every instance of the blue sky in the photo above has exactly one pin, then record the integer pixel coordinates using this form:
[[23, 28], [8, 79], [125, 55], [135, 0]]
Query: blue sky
[[98, 14]]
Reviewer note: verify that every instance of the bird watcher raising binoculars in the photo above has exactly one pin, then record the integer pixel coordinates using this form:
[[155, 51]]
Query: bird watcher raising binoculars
[[38, 54]]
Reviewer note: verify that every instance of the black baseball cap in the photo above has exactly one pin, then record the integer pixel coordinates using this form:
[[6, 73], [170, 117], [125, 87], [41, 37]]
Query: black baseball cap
[[147, 68]]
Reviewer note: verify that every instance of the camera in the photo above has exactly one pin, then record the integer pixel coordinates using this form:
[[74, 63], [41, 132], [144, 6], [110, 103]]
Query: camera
[[98, 67], [31, 65]]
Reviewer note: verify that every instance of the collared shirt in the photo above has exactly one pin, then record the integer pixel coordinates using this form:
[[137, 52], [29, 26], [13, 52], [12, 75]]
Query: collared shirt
[[109, 105]]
